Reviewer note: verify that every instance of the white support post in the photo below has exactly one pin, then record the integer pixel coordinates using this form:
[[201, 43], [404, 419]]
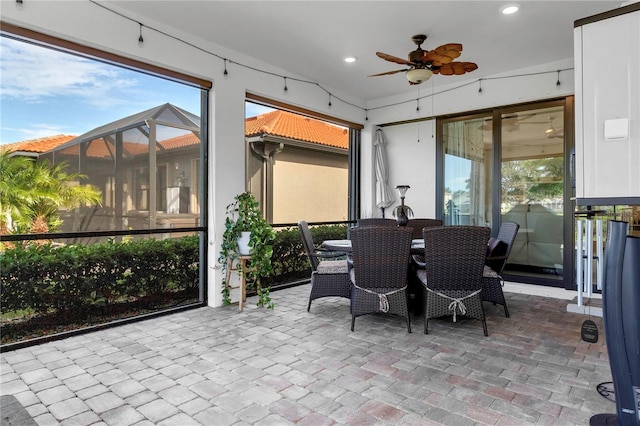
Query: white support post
[[589, 258], [599, 254]]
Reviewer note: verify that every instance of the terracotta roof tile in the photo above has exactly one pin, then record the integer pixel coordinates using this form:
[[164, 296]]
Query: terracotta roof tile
[[293, 126], [276, 123], [39, 145], [188, 139]]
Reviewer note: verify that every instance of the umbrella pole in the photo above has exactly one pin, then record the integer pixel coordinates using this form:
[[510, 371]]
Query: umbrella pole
[[382, 208]]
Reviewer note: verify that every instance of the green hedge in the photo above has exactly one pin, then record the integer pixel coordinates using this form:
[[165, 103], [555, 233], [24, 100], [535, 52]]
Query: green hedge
[[77, 277]]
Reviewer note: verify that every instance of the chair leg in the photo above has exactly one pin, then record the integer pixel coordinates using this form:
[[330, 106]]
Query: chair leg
[[353, 322], [484, 320], [309, 306], [506, 310], [426, 324], [408, 323]]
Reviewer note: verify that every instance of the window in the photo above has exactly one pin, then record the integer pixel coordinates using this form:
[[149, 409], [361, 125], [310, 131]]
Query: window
[[298, 166], [132, 134]]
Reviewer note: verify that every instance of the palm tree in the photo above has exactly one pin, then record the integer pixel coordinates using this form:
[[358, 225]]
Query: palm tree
[[32, 192]]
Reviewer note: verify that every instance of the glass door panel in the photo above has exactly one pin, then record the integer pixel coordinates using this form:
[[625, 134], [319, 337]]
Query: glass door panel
[[532, 170], [467, 171]]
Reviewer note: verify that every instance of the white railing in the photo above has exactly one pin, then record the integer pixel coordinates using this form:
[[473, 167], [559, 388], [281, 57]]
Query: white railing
[[585, 256]]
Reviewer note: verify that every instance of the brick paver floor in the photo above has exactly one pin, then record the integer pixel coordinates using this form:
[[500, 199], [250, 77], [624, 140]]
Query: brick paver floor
[[217, 366]]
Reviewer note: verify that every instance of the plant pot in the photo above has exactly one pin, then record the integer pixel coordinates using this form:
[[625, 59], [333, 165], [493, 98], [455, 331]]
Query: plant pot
[[243, 243]]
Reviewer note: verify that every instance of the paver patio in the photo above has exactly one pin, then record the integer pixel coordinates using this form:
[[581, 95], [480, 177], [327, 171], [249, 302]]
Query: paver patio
[[216, 366]]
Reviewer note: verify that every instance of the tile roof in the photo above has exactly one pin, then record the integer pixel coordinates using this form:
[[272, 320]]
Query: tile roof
[[276, 123], [293, 126], [99, 148], [39, 145], [182, 141]]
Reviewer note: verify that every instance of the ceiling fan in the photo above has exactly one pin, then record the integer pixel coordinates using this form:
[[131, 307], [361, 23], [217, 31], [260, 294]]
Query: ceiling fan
[[552, 132], [424, 63]]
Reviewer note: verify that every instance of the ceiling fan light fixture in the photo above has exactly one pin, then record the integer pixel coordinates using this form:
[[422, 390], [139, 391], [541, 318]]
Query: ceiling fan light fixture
[[509, 9], [419, 75]]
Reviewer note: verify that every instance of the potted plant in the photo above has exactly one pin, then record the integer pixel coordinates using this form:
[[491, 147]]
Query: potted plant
[[244, 216]]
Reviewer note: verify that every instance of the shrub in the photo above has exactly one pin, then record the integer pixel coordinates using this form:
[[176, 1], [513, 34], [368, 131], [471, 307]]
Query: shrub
[[74, 277]]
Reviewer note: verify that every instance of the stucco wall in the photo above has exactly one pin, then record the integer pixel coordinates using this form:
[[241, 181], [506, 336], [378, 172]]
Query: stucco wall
[[302, 175]]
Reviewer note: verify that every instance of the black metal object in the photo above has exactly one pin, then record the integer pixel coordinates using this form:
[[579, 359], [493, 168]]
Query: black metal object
[[621, 309]]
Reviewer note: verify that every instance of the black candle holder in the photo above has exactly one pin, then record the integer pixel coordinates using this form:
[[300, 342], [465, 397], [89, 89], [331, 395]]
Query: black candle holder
[[402, 212]]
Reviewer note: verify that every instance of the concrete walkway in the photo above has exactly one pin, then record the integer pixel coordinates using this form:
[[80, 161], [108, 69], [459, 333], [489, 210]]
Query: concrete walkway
[[216, 366]]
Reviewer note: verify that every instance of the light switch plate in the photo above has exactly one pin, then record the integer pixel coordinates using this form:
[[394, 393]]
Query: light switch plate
[[616, 129]]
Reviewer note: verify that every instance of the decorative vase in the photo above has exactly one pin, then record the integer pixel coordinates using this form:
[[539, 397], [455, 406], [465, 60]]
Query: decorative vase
[[243, 243]]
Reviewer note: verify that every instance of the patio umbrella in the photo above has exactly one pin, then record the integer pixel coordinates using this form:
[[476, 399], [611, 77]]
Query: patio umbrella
[[384, 194]]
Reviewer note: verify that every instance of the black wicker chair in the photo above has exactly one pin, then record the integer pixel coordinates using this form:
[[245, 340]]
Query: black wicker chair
[[329, 276], [492, 280], [376, 221], [380, 257], [417, 262], [419, 223], [452, 280]]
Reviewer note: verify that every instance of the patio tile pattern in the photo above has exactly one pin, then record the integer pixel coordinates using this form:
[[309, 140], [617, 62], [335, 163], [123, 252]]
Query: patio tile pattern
[[218, 366]]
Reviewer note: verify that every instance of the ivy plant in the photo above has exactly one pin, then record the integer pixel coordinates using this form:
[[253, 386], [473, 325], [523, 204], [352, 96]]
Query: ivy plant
[[244, 215]]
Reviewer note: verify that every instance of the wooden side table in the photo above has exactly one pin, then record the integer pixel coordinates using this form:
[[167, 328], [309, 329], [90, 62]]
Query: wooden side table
[[242, 267]]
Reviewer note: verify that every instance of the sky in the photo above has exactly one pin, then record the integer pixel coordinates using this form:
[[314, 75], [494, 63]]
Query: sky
[[44, 92]]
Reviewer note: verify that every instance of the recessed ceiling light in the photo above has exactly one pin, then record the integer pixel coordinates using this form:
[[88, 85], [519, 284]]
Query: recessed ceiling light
[[350, 59], [509, 9]]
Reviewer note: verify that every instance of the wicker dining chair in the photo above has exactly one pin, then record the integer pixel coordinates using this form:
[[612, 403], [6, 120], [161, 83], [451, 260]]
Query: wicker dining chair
[[376, 221], [419, 223], [329, 275], [498, 251], [380, 257], [417, 262], [452, 279]]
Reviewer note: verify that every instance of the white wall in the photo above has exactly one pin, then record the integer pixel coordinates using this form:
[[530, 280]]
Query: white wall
[[411, 162]]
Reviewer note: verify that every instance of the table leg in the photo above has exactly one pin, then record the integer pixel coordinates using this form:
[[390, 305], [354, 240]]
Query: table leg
[[243, 283]]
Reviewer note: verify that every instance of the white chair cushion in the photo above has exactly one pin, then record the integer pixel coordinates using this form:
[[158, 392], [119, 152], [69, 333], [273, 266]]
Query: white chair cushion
[[332, 267], [489, 273]]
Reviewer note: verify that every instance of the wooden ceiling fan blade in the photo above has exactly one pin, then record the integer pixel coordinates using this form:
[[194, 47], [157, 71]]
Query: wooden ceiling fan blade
[[395, 59], [443, 54], [387, 73], [455, 68]]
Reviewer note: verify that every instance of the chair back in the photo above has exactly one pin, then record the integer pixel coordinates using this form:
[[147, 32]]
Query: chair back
[[419, 223], [507, 233], [376, 221], [454, 257], [307, 243], [380, 256]]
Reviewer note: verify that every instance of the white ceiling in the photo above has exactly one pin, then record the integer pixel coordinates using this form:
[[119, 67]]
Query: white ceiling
[[310, 38]]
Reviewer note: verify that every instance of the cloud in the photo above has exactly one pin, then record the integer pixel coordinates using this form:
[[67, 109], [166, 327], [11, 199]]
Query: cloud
[[40, 130], [35, 74]]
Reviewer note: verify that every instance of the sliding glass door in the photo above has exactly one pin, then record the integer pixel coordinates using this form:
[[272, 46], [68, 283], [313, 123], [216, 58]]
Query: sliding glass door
[[508, 164], [532, 188]]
